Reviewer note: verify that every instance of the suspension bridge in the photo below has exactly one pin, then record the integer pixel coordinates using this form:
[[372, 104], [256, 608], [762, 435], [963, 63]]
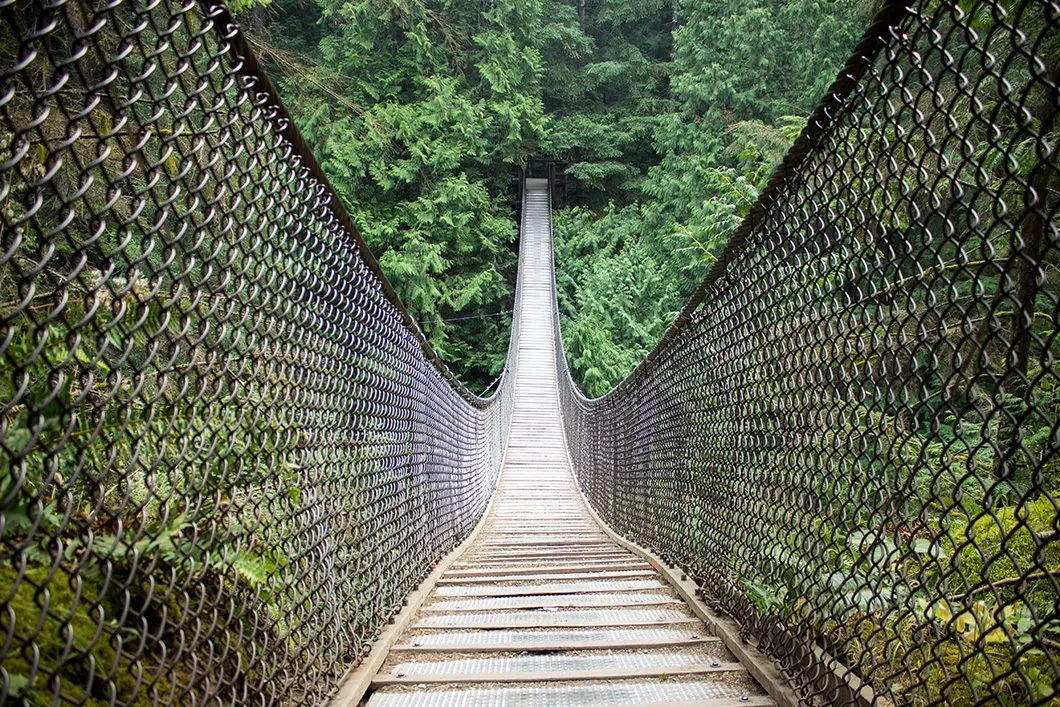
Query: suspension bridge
[[544, 606], [234, 471]]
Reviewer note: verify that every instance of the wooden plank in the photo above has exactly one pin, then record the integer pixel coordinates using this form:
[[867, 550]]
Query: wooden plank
[[557, 647], [631, 574], [540, 559], [501, 571], [522, 590], [661, 601], [570, 623], [745, 701], [555, 676]]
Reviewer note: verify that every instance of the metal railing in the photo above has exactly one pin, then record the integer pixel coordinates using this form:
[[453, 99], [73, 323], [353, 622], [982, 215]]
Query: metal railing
[[227, 454], [850, 436]]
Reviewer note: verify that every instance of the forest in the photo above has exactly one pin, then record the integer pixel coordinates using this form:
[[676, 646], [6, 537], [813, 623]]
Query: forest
[[667, 118], [214, 430]]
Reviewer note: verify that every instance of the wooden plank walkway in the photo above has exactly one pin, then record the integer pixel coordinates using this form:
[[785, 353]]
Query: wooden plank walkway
[[544, 608]]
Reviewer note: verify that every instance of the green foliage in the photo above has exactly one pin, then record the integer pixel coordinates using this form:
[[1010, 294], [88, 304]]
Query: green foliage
[[761, 59], [607, 96], [982, 607], [66, 630], [619, 286], [1004, 544], [238, 6], [679, 130], [440, 106], [80, 449], [423, 112]]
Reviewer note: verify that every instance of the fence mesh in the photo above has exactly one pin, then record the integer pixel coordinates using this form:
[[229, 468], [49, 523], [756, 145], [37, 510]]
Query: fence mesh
[[226, 454], [849, 438]]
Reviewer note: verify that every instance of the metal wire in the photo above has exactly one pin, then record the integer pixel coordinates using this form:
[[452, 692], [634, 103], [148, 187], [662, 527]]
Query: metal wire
[[850, 436], [226, 452]]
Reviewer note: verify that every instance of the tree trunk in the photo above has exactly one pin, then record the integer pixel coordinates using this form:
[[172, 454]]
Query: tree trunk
[[1025, 265]]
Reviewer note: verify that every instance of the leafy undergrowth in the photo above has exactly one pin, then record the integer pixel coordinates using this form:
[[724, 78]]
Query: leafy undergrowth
[[924, 616], [71, 628]]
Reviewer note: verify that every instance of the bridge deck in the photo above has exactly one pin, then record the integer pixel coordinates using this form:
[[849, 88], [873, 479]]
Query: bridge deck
[[544, 608]]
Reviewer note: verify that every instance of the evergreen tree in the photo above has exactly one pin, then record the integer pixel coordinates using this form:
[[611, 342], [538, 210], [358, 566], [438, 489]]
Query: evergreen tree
[[666, 117]]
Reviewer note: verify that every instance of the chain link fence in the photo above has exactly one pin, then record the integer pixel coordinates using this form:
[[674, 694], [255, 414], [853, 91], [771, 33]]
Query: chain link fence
[[850, 436], [226, 452]]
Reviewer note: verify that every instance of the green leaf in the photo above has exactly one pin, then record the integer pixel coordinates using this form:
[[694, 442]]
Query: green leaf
[[923, 546]]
